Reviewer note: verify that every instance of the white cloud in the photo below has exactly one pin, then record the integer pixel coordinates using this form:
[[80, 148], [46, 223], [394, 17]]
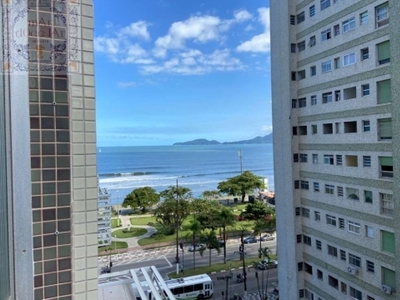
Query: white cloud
[[136, 29], [106, 45], [127, 84], [261, 42], [242, 15]]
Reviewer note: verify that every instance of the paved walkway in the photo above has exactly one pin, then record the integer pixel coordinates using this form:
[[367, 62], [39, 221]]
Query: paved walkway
[[133, 241]]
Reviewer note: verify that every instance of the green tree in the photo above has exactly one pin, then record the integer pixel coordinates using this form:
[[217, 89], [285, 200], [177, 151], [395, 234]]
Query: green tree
[[224, 219], [210, 195], [195, 229], [176, 192], [141, 198], [257, 210], [171, 213], [211, 241], [242, 184], [259, 227], [201, 206]]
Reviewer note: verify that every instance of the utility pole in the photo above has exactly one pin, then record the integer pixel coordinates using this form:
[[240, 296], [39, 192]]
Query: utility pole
[[244, 266], [226, 278], [177, 229]]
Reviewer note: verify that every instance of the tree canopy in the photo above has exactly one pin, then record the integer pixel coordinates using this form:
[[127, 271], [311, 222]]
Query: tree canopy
[[242, 184], [209, 195], [176, 192], [141, 198], [257, 210], [171, 213]]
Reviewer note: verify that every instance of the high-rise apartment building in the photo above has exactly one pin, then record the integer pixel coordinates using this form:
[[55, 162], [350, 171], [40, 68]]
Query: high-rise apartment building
[[336, 118], [48, 181]]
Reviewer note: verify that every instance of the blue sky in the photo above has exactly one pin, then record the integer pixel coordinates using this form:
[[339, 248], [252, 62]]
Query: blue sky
[[175, 70]]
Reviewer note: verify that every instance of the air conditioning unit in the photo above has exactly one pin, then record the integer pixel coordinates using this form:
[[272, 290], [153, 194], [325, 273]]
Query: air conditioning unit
[[386, 289], [352, 270]]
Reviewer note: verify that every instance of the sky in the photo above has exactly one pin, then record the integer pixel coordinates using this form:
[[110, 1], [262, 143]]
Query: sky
[[177, 70]]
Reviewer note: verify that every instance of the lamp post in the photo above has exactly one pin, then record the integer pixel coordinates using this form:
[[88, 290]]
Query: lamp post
[[177, 229]]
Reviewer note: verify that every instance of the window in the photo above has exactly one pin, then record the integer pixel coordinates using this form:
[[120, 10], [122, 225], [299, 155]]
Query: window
[[320, 275], [340, 191], [385, 129], [339, 160], [306, 240], [366, 125], [349, 93], [337, 96], [301, 293], [386, 166], [387, 204], [312, 10], [383, 52], [350, 127], [369, 231], [368, 298], [315, 158], [294, 103], [353, 227], [337, 128], [333, 282], [336, 62], [382, 15], [326, 34], [331, 220], [304, 184], [297, 211], [370, 266], [364, 53], [356, 294], [327, 97], [349, 24], [314, 129], [332, 250], [328, 159], [317, 216], [366, 160], [349, 59], [388, 277], [325, 4], [301, 74], [294, 130], [327, 128], [318, 244], [326, 66], [301, 46], [341, 223], [300, 266], [292, 20], [368, 196], [302, 102], [313, 72], [298, 238], [295, 157], [296, 184], [293, 48], [302, 130], [364, 18], [329, 189], [387, 241], [313, 99], [343, 287], [383, 91], [343, 255], [305, 212], [336, 29], [365, 89], [352, 193], [354, 260], [316, 186], [301, 17], [293, 76]]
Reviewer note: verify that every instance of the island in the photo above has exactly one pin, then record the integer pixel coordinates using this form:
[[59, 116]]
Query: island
[[267, 139]]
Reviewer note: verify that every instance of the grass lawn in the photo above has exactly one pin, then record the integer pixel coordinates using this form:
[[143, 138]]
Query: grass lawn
[[216, 267], [142, 220], [128, 234], [114, 245], [115, 222]]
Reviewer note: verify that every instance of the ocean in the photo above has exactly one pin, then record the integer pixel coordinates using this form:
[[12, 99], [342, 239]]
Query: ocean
[[200, 168]]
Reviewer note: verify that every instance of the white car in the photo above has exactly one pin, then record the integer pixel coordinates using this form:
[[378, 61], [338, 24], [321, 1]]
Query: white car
[[267, 237], [196, 247], [264, 264]]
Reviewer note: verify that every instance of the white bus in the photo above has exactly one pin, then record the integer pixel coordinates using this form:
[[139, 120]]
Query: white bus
[[196, 287]]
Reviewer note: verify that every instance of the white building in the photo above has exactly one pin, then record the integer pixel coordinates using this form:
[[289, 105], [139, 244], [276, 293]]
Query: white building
[[104, 217], [336, 114]]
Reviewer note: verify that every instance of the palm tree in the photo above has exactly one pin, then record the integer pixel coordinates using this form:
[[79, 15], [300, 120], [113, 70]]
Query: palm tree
[[255, 266], [195, 229], [225, 218], [258, 229], [265, 253], [211, 241]]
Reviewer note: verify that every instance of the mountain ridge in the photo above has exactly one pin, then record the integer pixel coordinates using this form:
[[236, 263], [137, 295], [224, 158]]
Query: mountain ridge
[[267, 139]]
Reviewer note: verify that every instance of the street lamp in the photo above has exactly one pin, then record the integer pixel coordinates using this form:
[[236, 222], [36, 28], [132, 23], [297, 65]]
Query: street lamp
[[177, 229]]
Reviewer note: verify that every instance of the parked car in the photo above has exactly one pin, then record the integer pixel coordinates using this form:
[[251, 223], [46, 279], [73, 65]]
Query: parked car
[[220, 244], [264, 264], [267, 237], [250, 240], [196, 247]]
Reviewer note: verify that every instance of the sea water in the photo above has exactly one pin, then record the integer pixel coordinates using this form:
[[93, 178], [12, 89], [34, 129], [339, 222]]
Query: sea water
[[199, 168]]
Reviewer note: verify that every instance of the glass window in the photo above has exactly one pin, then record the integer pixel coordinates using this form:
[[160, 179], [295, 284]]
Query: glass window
[[293, 48], [388, 277], [332, 251], [326, 97], [329, 159], [301, 17], [354, 260], [292, 20], [387, 204], [343, 255], [383, 52], [356, 294], [349, 24], [366, 161], [364, 18], [386, 166], [365, 89], [331, 220], [368, 196], [326, 66], [382, 15], [326, 34], [301, 46], [315, 158], [354, 227], [312, 10], [325, 4], [312, 41], [316, 186], [302, 102], [294, 103], [384, 91], [313, 71], [349, 59], [317, 216], [366, 125], [364, 53], [370, 266], [369, 231], [336, 29], [339, 159], [387, 241], [318, 244], [385, 129]]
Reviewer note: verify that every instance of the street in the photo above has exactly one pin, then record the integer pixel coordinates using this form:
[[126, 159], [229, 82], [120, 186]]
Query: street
[[165, 263]]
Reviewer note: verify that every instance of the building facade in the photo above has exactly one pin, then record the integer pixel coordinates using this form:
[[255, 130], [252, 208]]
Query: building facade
[[104, 217], [336, 114], [48, 151]]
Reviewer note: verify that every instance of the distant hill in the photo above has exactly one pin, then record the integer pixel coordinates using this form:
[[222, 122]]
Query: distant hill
[[267, 139]]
